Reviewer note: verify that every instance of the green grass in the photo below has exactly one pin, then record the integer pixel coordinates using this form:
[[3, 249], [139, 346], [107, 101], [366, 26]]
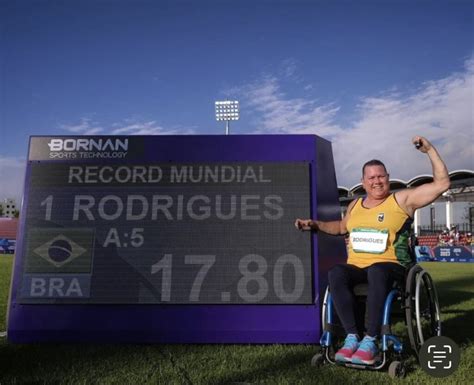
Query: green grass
[[225, 364], [6, 264]]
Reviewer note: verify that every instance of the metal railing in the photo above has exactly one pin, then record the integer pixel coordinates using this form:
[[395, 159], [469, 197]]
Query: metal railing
[[431, 230]]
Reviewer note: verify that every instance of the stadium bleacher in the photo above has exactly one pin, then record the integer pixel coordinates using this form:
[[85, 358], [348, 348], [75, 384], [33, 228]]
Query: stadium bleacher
[[428, 240], [8, 232], [8, 228]]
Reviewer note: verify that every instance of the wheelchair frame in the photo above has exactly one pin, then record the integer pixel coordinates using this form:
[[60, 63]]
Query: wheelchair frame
[[418, 281]]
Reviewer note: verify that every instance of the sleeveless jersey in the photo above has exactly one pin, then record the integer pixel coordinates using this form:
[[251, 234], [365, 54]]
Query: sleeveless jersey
[[379, 234]]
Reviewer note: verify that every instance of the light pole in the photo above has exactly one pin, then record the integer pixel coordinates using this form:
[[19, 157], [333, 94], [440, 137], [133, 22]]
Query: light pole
[[227, 110]]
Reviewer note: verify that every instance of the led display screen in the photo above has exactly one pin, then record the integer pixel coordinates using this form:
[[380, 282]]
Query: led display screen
[[132, 232]]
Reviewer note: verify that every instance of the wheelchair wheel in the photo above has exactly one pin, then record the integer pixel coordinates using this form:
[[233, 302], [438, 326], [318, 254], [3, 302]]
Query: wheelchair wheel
[[422, 308], [396, 370], [318, 360], [324, 309], [336, 328]]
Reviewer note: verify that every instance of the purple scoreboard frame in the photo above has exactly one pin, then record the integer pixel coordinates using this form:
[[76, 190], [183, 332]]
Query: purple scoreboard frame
[[192, 323]]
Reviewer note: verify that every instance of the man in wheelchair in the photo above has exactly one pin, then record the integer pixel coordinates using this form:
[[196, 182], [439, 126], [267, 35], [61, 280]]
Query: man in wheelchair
[[379, 226]]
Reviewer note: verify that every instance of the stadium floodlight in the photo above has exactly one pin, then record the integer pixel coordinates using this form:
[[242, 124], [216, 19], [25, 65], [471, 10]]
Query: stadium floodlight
[[227, 110]]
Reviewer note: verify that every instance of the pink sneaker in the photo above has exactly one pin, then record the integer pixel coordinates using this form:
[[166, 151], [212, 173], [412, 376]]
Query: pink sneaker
[[345, 353], [366, 352]]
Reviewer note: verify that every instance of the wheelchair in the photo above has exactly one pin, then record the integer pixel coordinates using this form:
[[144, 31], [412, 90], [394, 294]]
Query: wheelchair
[[418, 303]]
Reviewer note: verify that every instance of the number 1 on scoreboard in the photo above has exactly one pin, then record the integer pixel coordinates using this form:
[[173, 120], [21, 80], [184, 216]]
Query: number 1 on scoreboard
[[48, 202]]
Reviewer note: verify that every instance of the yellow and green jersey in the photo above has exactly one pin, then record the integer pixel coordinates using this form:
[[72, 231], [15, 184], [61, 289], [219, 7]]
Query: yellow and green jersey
[[379, 234]]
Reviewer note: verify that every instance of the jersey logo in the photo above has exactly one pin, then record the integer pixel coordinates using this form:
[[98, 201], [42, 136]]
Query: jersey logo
[[381, 217]]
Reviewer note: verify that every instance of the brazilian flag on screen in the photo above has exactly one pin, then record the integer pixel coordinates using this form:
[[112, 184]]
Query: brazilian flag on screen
[[59, 250]]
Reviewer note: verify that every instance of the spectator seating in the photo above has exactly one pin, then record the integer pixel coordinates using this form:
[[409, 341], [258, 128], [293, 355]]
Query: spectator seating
[[428, 240], [8, 228]]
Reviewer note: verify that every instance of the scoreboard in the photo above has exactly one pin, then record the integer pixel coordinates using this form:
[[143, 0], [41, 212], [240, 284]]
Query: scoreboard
[[173, 239]]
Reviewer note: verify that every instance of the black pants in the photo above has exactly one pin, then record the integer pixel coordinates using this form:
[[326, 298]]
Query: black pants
[[379, 276]]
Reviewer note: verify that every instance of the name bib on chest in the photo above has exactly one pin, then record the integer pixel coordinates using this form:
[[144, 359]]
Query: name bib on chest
[[369, 240]]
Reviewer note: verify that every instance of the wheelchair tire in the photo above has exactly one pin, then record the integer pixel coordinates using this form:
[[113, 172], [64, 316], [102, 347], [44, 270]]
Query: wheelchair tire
[[421, 308], [318, 360], [396, 369]]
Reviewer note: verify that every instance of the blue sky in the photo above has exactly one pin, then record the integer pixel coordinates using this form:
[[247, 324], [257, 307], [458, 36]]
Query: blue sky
[[367, 75]]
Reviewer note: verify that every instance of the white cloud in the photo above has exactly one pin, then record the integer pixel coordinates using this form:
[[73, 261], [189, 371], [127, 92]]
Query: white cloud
[[148, 128], [440, 110], [279, 114], [84, 127], [12, 175], [127, 127], [289, 68]]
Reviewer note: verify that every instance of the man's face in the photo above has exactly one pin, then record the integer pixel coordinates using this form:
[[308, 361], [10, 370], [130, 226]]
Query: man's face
[[375, 182]]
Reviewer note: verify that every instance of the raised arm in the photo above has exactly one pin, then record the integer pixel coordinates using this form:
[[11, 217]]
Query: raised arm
[[415, 198]]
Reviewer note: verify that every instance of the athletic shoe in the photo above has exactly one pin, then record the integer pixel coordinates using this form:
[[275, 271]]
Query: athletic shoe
[[366, 352], [345, 353]]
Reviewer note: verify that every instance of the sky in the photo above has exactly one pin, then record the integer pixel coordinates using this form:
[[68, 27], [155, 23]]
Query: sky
[[366, 75]]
